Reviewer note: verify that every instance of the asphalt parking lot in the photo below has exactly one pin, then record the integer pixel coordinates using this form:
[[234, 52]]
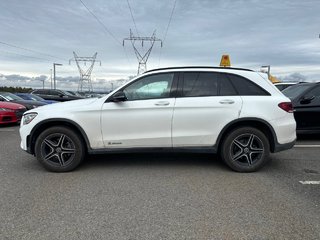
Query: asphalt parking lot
[[159, 196]]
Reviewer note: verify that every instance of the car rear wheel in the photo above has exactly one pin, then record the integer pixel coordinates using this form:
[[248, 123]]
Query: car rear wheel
[[59, 149], [245, 149]]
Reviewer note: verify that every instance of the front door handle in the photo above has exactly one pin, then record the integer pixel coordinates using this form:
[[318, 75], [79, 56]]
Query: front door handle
[[227, 101], [162, 103]]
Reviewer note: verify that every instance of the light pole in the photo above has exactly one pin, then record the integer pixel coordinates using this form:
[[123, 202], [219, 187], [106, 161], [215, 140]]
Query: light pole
[[54, 74], [51, 78], [268, 69], [42, 84]]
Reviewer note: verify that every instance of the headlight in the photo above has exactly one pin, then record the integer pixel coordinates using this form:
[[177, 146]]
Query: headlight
[[6, 110], [28, 118]]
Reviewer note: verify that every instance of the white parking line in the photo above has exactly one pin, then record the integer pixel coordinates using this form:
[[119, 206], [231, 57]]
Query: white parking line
[[310, 182], [306, 146]]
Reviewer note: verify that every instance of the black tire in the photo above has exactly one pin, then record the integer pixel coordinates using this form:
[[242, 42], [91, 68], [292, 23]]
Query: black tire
[[59, 149], [245, 149]]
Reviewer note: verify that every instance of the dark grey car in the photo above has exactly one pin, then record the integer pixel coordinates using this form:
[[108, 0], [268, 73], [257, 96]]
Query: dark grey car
[[55, 94]]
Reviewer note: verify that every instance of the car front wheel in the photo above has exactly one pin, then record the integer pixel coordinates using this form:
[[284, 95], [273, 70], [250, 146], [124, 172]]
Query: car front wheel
[[245, 149], [59, 149]]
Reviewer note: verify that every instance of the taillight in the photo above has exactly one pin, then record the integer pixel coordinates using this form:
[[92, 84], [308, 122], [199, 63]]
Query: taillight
[[286, 106]]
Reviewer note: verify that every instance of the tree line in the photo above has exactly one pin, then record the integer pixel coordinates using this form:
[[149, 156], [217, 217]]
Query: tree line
[[15, 89]]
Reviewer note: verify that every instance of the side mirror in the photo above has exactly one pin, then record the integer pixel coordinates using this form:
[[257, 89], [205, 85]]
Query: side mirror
[[118, 97], [306, 99]]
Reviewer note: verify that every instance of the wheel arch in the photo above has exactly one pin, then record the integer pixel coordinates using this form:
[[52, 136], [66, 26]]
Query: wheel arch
[[36, 131], [258, 123]]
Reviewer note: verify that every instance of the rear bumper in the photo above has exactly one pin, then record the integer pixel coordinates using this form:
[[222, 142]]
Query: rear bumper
[[281, 147]]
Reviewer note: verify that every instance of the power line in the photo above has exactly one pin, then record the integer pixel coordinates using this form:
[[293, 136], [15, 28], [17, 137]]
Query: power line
[[101, 23], [25, 55], [167, 29], [134, 22], [30, 50], [174, 6], [105, 28]]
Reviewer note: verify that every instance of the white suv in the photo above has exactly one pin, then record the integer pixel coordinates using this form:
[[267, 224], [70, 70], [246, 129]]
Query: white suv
[[234, 112]]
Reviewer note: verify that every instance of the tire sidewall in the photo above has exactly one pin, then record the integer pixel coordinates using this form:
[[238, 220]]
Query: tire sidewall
[[79, 149], [226, 149]]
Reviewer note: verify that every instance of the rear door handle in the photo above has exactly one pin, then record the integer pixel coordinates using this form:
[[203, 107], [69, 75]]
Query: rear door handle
[[227, 101], [162, 103]]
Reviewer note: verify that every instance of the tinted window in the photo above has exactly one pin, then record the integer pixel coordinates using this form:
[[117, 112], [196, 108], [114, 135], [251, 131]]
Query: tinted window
[[150, 87], [245, 87], [295, 90], [281, 87], [196, 84], [315, 92], [54, 93], [35, 97], [226, 88], [10, 96], [40, 91]]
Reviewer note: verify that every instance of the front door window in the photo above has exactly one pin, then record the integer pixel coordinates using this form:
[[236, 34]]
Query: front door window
[[150, 87]]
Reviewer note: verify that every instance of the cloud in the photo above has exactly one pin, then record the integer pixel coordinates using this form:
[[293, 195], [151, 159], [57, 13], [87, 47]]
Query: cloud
[[15, 77], [270, 32], [66, 83], [294, 77], [41, 78]]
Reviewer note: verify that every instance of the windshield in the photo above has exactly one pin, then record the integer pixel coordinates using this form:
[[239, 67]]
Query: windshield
[[35, 97], [295, 90], [66, 93], [10, 96]]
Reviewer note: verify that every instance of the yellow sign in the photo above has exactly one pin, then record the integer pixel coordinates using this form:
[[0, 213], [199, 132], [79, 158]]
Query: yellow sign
[[273, 79], [225, 61]]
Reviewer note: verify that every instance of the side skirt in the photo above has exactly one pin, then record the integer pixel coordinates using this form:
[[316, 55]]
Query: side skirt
[[148, 150]]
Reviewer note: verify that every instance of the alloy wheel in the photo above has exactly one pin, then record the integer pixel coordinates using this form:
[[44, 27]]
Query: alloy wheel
[[58, 149], [247, 149]]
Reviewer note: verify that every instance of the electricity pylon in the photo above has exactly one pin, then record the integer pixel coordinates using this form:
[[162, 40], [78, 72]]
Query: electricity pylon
[[142, 57], [85, 74]]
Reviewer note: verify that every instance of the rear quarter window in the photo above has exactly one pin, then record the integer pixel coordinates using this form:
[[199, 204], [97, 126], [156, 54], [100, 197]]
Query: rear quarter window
[[245, 87]]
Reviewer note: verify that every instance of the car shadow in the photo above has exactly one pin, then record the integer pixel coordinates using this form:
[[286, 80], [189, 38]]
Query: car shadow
[[4, 125], [154, 159]]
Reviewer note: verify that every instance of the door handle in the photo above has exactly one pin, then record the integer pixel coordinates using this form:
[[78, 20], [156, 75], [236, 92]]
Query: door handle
[[162, 103], [227, 101]]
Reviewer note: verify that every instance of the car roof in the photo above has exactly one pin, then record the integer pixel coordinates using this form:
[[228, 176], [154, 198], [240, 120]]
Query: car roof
[[286, 83], [197, 67], [309, 83]]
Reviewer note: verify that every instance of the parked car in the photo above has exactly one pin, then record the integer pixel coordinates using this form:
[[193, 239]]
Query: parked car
[[73, 93], [56, 95], [10, 97], [11, 112], [305, 98], [283, 85], [33, 97], [234, 112]]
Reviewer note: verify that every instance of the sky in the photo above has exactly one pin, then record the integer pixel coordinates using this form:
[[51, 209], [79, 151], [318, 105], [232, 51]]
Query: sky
[[283, 34]]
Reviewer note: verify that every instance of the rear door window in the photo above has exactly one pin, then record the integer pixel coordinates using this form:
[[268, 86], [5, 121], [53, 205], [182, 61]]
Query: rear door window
[[200, 84], [226, 88], [197, 84]]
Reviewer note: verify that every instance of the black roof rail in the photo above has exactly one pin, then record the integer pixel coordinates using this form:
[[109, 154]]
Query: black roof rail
[[190, 67]]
